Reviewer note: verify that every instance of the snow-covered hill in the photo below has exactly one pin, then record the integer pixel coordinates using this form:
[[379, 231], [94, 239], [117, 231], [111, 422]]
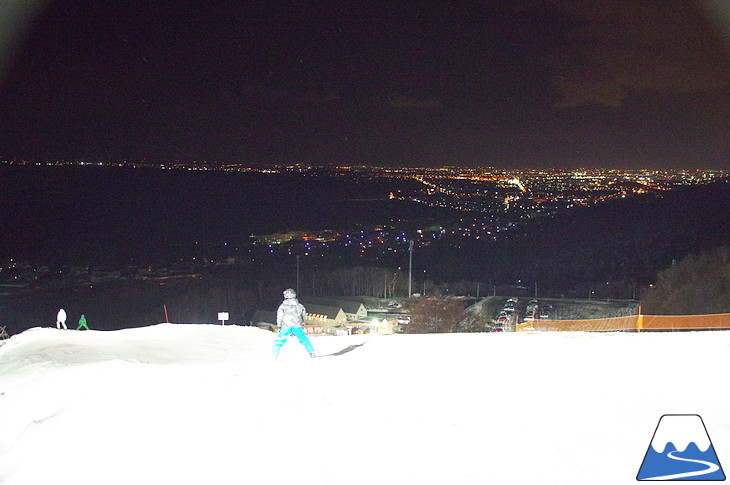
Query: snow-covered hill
[[192, 404]]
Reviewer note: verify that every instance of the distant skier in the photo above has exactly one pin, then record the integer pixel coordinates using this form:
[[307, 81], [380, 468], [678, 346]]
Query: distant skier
[[61, 319], [82, 323], [290, 319]]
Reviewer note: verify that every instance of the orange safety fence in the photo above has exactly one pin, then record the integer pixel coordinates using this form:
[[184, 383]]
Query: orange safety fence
[[634, 322], [684, 322], [602, 325]]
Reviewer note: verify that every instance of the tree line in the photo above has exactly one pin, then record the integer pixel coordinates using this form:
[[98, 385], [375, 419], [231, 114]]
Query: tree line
[[696, 285]]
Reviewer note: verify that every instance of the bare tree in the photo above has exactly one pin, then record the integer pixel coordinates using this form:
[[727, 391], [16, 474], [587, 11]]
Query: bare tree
[[443, 315]]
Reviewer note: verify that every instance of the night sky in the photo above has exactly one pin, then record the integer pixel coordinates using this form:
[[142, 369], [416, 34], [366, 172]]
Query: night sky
[[544, 83]]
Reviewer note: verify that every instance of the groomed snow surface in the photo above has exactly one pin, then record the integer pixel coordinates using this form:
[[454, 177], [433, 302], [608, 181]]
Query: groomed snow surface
[[206, 404]]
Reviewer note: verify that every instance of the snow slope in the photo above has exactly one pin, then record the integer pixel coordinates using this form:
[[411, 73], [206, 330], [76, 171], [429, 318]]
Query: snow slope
[[192, 404]]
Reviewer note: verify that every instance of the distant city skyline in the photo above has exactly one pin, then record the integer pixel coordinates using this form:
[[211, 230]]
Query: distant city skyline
[[717, 174], [535, 84]]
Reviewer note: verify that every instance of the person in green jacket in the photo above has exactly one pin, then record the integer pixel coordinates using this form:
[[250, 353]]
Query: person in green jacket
[[82, 323]]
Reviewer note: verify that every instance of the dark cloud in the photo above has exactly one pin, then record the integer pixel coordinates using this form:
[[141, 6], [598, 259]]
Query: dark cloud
[[617, 49], [16, 18], [549, 82], [718, 13], [407, 102], [314, 98]]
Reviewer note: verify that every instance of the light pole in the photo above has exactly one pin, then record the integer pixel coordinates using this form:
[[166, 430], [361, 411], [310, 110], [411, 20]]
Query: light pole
[[410, 267]]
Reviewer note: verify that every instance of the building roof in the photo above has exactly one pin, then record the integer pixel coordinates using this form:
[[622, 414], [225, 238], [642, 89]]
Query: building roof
[[331, 312], [349, 306]]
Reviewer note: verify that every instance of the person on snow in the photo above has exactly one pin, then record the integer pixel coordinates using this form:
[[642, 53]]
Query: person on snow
[[290, 319], [61, 319], [82, 323]]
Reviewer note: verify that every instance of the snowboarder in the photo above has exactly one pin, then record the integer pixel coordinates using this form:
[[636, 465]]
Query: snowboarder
[[61, 319], [290, 319], [82, 323]]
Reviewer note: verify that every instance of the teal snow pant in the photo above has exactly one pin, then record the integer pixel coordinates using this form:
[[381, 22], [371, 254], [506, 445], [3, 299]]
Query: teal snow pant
[[284, 333]]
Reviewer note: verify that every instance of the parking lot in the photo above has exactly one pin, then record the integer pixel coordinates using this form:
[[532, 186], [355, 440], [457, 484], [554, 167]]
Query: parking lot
[[512, 310]]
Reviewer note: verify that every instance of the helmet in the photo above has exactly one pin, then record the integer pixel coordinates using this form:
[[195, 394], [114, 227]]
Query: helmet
[[289, 293]]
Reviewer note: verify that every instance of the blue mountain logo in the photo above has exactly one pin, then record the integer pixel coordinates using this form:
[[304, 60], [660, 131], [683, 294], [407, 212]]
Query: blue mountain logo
[[681, 450]]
